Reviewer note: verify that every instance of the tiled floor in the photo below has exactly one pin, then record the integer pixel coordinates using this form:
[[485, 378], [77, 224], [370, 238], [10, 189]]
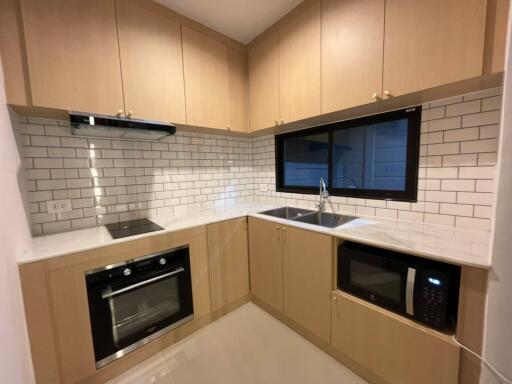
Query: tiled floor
[[246, 346]]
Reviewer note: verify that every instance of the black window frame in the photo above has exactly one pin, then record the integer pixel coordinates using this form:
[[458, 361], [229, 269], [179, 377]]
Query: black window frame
[[409, 194]]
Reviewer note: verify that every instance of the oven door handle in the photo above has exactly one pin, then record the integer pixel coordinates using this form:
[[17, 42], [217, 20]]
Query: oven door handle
[[106, 294]]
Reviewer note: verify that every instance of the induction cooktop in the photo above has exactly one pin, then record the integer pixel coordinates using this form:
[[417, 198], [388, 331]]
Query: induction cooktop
[[132, 228]]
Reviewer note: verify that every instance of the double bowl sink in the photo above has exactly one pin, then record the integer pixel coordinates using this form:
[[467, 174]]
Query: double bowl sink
[[323, 219]]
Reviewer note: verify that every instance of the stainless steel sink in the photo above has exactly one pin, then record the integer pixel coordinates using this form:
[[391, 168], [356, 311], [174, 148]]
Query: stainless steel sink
[[289, 213], [325, 219]]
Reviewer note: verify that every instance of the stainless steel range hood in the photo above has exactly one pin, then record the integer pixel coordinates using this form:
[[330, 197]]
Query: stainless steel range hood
[[84, 124]]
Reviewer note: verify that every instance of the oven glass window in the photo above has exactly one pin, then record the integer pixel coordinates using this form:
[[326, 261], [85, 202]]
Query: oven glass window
[[379, 281], [140, 309]]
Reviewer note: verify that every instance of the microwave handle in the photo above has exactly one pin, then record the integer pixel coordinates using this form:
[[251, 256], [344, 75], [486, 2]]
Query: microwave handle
[[409, 291]]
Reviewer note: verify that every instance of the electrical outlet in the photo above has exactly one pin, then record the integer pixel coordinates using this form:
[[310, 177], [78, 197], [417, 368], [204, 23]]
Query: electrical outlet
[[59, 206]]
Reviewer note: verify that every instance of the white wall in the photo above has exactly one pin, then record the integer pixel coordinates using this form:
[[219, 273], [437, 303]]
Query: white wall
[[15, 361], [498, 333]]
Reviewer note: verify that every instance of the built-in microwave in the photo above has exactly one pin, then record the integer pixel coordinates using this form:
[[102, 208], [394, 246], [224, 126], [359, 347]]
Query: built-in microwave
[[422, 289]]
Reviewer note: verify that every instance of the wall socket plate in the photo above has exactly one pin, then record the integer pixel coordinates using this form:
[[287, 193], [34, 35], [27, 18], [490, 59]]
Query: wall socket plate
[[59, 206]]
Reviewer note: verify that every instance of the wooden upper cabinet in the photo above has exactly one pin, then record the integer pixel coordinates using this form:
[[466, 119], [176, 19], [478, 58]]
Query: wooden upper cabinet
[[495, 35], [73, 55], [432, 42], [11, 50], [352, 51], [238, 91], [151, 62], [205, 63], [264, 83], [300, 65]]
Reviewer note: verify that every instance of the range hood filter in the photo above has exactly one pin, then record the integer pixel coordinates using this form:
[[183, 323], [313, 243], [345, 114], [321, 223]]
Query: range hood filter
[[83, 124]]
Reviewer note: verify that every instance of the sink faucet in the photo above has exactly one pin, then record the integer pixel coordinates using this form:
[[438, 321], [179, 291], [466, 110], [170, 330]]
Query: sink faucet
[[323, 195]]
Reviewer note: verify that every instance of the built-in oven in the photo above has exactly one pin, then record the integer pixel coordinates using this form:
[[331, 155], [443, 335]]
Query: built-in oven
[[134, 302], [425, 290]]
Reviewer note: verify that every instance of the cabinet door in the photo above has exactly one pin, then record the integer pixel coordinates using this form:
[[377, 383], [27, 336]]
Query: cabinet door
[[266, 262], [13, 63], [238, 91], [264, 83], [205, 63], [392, 347], [431, 43], [151, 62], [352, 50], [73, 55], [229, 261], [307, 279], [299, 65]]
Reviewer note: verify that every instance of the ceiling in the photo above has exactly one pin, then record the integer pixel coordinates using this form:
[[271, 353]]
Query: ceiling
[[241, 20]]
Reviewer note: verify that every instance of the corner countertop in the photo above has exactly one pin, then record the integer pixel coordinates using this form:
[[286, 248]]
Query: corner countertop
[[449, 244]]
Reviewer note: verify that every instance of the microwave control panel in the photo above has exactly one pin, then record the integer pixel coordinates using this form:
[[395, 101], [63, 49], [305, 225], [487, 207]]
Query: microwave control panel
[[431, 300]]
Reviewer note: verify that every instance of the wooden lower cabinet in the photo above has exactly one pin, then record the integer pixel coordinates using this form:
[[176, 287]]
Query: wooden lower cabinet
[[397, 350], [56, 307], [266, 262], [229, 261], [307, 277]]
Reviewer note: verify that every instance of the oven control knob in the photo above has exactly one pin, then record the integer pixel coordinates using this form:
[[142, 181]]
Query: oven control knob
[[127, 272], [162, 261]]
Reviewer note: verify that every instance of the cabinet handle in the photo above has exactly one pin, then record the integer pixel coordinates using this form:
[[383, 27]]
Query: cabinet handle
[[119, 113], [278, 228], [387, 93], [375, 96], [334, 298], [130, 114], [284, 234]]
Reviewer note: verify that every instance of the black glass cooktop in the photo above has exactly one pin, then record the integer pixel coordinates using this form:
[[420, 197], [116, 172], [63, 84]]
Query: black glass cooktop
[[131, 228]]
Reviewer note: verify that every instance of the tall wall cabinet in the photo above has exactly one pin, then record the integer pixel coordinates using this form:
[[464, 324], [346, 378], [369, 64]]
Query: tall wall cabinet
[[334, 55], [131, 58], [139, 59]]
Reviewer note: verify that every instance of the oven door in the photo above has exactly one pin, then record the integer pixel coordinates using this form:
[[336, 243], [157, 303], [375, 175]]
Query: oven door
[[126, 316], [375, 277]]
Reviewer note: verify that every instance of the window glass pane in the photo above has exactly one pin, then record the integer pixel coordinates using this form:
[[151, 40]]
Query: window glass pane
[[306, 160], [371, 157]]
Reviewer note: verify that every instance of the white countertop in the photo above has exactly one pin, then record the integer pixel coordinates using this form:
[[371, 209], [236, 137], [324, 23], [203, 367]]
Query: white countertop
[[450, 244]]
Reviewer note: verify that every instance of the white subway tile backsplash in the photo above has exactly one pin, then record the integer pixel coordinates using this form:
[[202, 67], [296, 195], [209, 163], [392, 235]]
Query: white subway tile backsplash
[[463, 108], [474, 198], [110, 180], [445, 124], [490, 158], [460, 160], [489, 131], [479, 146], [482, 118], [463, 134], [458, 185]]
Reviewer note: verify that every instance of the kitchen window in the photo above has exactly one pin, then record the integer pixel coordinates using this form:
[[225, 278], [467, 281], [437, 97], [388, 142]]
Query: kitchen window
[[373, 157]]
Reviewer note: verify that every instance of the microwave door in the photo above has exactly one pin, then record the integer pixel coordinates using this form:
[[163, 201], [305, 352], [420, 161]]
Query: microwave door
[[376, 279]]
